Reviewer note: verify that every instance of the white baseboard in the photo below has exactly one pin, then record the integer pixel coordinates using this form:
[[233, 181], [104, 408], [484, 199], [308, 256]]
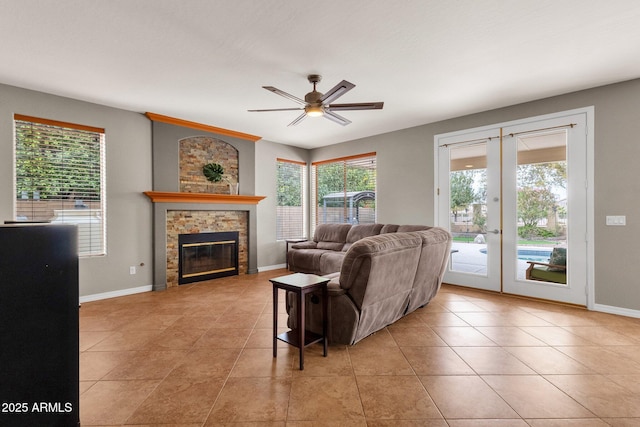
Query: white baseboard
[[616, 310], [271, 267], [114, 294]]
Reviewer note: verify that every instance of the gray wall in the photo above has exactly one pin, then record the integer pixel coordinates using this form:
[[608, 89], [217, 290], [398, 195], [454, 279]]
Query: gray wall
[[270, 251], [406, 181], [128, 174]]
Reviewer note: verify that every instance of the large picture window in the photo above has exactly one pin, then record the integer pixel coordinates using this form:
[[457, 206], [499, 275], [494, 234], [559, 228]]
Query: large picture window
[[59, 175], [344, 190], [290, 209]]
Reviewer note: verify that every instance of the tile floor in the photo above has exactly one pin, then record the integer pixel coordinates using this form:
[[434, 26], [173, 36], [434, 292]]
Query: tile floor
[[201, 355]]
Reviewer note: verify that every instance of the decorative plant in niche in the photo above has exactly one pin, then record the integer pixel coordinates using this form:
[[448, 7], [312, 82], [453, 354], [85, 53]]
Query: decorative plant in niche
[[213, 172]]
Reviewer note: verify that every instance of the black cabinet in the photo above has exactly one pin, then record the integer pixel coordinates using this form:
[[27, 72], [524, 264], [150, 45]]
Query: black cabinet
[[39, 349]]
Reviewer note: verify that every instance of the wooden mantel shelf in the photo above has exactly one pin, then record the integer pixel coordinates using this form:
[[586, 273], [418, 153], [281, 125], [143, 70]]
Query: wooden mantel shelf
[[173, 197]]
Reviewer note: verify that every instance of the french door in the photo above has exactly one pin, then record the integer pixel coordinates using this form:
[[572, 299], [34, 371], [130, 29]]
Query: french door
[[516, 199]]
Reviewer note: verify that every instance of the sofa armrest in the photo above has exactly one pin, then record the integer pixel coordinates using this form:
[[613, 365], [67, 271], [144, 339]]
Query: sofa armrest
[[309, 244], [334, 289]]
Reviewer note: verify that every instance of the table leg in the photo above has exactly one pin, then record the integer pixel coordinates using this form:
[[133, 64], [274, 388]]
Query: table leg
[[301, 326], [325, 310], [275, 321]]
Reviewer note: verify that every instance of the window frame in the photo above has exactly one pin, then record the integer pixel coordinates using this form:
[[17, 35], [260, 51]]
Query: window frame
[[346, 161], [280, 235], [92, 225]]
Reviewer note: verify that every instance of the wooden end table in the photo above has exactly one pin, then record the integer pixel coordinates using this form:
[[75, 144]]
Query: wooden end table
[[301, 284]]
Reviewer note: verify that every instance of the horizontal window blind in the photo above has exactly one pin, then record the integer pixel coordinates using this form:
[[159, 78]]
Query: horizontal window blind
[[344, 190], [59, 173], [290, 193]]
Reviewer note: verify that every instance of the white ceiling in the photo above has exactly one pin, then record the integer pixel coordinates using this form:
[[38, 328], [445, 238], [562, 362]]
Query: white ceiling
[[206, 60]]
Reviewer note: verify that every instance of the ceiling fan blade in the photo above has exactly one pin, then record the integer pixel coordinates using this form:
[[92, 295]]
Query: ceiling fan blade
[[276, 109], [356, 106], [336, 118], [298, 119], [285, 94], [336, 92]]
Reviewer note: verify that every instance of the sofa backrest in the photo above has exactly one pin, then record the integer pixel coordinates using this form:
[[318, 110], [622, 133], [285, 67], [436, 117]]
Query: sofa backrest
[[434, 256], [331, 236], [360, 231]]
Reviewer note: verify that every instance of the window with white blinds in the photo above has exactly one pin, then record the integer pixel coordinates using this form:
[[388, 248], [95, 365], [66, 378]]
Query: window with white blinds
[[290, 194], [344, 190], [59, 174]]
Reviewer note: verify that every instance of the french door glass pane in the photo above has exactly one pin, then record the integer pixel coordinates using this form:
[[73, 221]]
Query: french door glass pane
[[468, 208], [542, 207]]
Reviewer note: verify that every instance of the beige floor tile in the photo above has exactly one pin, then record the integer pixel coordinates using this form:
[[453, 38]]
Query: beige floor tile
[[602, 360], [462, 336], [462, 306], [224, 338], [555, 335], [90, 338], [436, 361], [151, 322], [174, 338], [432, 422], [580, 422], [396, 398], [453, 396], [548, 360], [126, 340], [599, 394], [436, 318], [382, 338], [146, 365], [630, 382], [601, 335], [178, 400], [488, 423], [206, 363], [509, 336], [534, 397], [337, 362], [484, 319], [112, 402], [379, 361], [415, 336], [492, 361], [252, 400], [94, 365], [259, 362], [324, 398], [623, 422]]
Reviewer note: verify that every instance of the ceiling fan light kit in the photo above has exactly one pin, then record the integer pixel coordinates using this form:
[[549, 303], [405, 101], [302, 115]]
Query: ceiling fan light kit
[[316, 104]]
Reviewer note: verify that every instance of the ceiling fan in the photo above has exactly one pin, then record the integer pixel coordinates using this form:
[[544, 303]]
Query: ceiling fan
[[316, 104]]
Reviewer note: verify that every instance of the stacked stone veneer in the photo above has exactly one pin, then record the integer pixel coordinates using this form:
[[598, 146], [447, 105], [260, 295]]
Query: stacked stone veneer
[[191, 222], [197, 151]]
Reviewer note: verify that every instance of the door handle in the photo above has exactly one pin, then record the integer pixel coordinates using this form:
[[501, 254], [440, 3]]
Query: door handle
[[496, 231]]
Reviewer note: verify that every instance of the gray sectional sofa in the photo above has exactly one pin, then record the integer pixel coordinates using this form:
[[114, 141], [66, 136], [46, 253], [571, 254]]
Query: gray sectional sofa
[[381, 277]]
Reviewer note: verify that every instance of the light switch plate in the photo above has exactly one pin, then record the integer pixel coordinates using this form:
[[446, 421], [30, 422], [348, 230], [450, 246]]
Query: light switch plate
[[616, 220]]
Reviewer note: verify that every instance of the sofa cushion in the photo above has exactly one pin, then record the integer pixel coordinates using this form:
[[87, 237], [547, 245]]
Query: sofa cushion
[[407, 228], [558, 257], [361, 231], [389, 228], [331, 233], [330, 262]]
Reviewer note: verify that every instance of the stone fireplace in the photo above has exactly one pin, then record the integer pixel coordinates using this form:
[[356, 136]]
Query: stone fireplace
[[185, 203]]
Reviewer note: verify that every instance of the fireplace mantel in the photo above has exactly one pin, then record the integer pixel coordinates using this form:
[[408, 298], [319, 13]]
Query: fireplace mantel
[[175, 197]]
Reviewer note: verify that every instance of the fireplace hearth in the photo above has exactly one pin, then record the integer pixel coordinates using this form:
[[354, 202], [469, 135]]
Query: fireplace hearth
[[206, 256]]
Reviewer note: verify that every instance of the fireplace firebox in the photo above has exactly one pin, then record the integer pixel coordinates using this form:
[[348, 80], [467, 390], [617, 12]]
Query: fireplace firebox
[[206, 256]]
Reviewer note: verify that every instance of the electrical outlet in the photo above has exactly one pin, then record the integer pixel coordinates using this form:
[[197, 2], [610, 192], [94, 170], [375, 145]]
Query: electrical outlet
[[132, 269]]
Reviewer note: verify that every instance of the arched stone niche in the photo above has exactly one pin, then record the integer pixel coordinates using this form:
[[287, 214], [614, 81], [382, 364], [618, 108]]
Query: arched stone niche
[[197, 151]]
